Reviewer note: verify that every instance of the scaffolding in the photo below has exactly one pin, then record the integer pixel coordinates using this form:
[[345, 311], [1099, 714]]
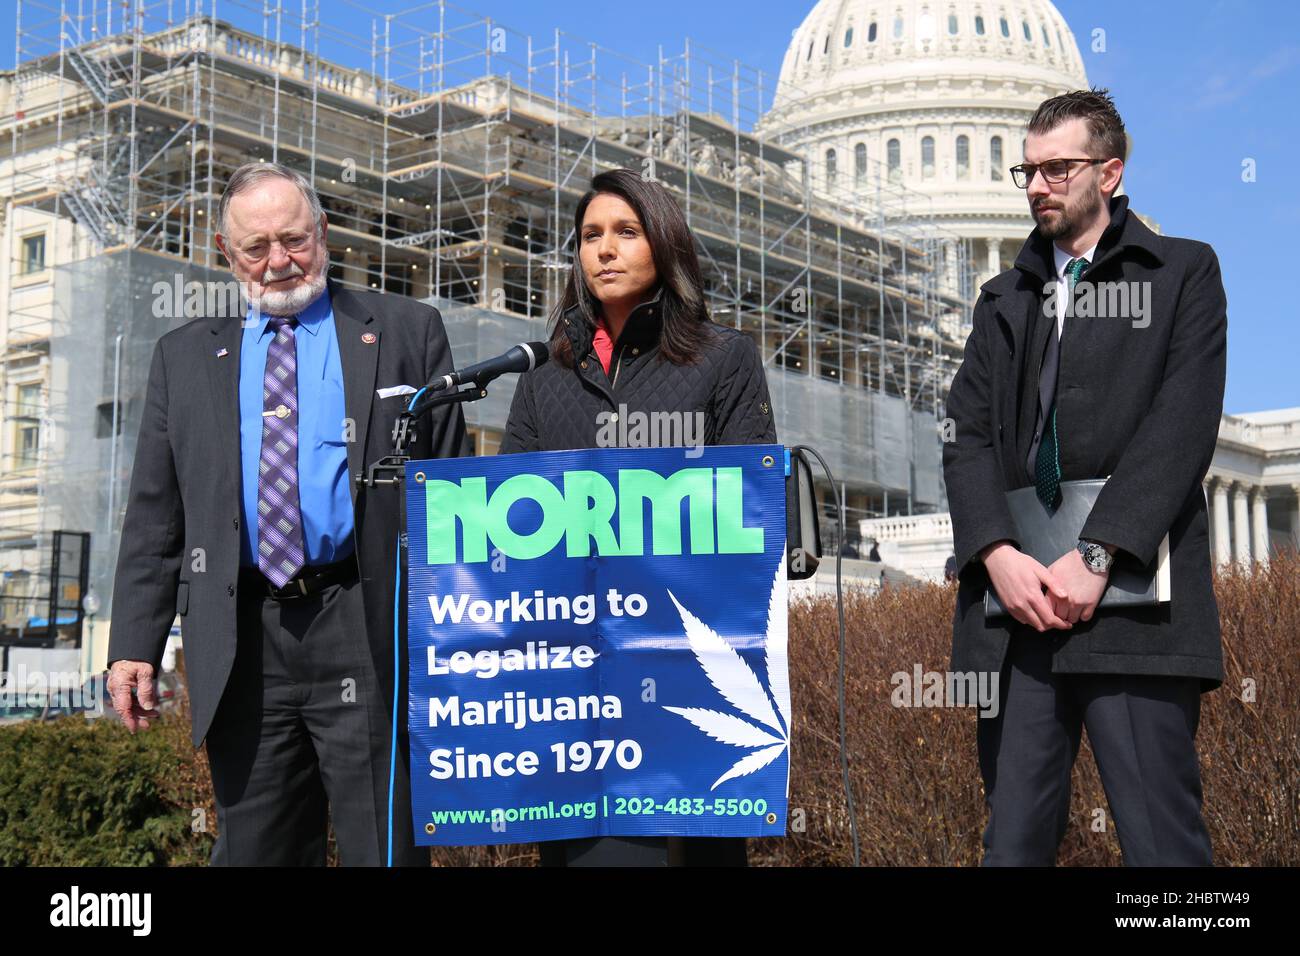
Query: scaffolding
[[449, 152]]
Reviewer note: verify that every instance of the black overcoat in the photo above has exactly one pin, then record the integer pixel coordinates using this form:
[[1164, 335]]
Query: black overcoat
[[1139, 400]]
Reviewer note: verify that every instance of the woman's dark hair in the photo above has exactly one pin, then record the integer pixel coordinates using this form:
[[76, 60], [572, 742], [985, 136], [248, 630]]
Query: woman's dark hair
[[685, 320]]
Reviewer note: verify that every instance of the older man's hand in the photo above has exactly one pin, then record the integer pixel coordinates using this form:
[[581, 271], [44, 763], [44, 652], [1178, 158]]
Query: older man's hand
[[134, 709]]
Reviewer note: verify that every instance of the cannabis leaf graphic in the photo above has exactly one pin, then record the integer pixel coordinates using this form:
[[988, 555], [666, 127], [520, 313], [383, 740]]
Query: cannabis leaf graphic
[[740, 687]]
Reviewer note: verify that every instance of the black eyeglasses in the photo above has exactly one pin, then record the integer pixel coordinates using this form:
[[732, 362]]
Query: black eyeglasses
[[1054, 170]]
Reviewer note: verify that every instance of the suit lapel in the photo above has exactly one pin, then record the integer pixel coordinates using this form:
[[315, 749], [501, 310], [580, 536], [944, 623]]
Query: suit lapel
[[1036, 263], [222, 360], [1040, 326], [359, 344]]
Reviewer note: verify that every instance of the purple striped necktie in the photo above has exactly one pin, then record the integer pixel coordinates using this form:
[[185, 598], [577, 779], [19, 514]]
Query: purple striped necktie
[[279, 518]]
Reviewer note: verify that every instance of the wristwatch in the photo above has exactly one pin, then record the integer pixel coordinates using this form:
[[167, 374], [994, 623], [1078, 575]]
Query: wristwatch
[[1095, 556]]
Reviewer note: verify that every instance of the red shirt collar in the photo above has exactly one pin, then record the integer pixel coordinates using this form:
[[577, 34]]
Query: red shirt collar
[[602, 344]]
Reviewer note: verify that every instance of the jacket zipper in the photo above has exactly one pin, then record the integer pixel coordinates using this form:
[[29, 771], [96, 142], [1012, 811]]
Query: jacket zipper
[[618, 362]]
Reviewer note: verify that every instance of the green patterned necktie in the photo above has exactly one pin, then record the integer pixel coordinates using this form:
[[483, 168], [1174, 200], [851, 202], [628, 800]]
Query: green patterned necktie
[[1047, 465]]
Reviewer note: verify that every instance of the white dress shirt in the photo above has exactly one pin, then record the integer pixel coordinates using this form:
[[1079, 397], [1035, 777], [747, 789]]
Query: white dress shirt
[[1063, 283]]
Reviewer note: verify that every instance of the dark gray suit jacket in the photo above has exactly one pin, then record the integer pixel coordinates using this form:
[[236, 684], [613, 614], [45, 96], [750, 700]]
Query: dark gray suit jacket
[[186, 484], [1141, 405]]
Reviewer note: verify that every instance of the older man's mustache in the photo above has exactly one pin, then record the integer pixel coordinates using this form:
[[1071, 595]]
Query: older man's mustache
[[270, 275]]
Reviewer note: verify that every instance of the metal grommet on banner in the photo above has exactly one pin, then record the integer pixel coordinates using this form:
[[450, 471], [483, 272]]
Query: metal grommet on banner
[[429, 828], [768, 461], [771, 818], [419, 477]]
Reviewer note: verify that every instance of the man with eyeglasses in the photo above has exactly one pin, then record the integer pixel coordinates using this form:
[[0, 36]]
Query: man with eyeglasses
[[244, 518], [1045, 396]]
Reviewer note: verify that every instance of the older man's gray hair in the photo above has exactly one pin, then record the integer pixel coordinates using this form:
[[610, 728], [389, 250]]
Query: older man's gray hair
[[250, 174]]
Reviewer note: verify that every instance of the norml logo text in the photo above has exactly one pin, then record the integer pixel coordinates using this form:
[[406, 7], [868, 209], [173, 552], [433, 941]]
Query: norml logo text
[[580, 512]]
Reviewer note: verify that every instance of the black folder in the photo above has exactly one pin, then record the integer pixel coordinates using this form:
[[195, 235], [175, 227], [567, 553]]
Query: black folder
[[1046, 536]]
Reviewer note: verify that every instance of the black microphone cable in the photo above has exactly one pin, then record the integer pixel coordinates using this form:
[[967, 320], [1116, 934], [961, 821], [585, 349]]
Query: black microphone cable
[[839, 604]]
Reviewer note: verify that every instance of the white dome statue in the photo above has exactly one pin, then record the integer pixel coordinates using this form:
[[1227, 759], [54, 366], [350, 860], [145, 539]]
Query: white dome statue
[[926, 101]]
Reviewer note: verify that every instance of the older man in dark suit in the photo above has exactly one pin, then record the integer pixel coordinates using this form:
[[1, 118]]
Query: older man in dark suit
[[244, 518], [1044, 397]]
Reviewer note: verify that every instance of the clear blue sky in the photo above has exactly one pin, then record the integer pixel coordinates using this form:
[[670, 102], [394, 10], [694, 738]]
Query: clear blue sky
[[1202, 86]]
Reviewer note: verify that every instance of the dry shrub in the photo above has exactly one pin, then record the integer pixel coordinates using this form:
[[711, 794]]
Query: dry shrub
[[914, 772]]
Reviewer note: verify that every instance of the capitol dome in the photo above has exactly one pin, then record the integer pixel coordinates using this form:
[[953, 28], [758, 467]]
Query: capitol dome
[[925, 101]]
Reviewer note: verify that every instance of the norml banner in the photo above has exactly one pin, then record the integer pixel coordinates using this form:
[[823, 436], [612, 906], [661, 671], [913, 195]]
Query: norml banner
[[598, 644]]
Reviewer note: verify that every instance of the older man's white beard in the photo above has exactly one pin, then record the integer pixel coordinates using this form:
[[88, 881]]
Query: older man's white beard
[[292, 301]]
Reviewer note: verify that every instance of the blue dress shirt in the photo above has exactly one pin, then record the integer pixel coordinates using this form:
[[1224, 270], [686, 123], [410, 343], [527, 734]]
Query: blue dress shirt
[[323, 493]]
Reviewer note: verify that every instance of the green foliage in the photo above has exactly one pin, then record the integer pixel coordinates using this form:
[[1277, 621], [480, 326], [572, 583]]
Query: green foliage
[[77, 792]]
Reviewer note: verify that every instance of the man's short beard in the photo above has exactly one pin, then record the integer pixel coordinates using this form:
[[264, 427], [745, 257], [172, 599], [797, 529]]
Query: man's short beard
[[1068, 226], [292, 301]]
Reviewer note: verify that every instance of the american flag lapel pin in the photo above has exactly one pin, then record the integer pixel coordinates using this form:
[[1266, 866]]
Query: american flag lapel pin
[[222, 353]]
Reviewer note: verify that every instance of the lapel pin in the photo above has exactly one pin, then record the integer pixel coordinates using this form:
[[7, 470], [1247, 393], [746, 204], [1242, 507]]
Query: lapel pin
[[368, 338], [222, 353]]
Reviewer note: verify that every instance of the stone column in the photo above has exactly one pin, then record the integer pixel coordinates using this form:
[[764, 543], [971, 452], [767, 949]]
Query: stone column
[[1207, 492], [995, 257], [421, 279], [1259, 523], [492, 292], [950, 265], [1222, 541], [353, 266], [1240, 525], [1295, 517]]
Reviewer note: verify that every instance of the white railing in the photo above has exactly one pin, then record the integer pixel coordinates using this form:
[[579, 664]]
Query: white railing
[[1274, 434], [908, 528], [291, 61]]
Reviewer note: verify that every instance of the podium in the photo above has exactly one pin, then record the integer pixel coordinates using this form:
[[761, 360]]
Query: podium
[[597, 648]]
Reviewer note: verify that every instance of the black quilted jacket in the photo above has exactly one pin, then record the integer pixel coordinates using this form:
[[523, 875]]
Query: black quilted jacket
[[557, 407]]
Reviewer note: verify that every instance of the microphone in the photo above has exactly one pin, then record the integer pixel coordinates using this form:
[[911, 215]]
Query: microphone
[[524, 357]]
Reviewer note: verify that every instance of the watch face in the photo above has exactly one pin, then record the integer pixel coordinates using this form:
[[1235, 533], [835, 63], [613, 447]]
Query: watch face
[[1094, 555]]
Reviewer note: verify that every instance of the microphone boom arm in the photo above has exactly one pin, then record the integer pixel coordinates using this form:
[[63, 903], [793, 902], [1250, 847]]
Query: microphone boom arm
[[391, 469]]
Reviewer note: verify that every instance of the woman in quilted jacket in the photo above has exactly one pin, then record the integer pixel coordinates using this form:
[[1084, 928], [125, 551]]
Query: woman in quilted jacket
[[631, 334]]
